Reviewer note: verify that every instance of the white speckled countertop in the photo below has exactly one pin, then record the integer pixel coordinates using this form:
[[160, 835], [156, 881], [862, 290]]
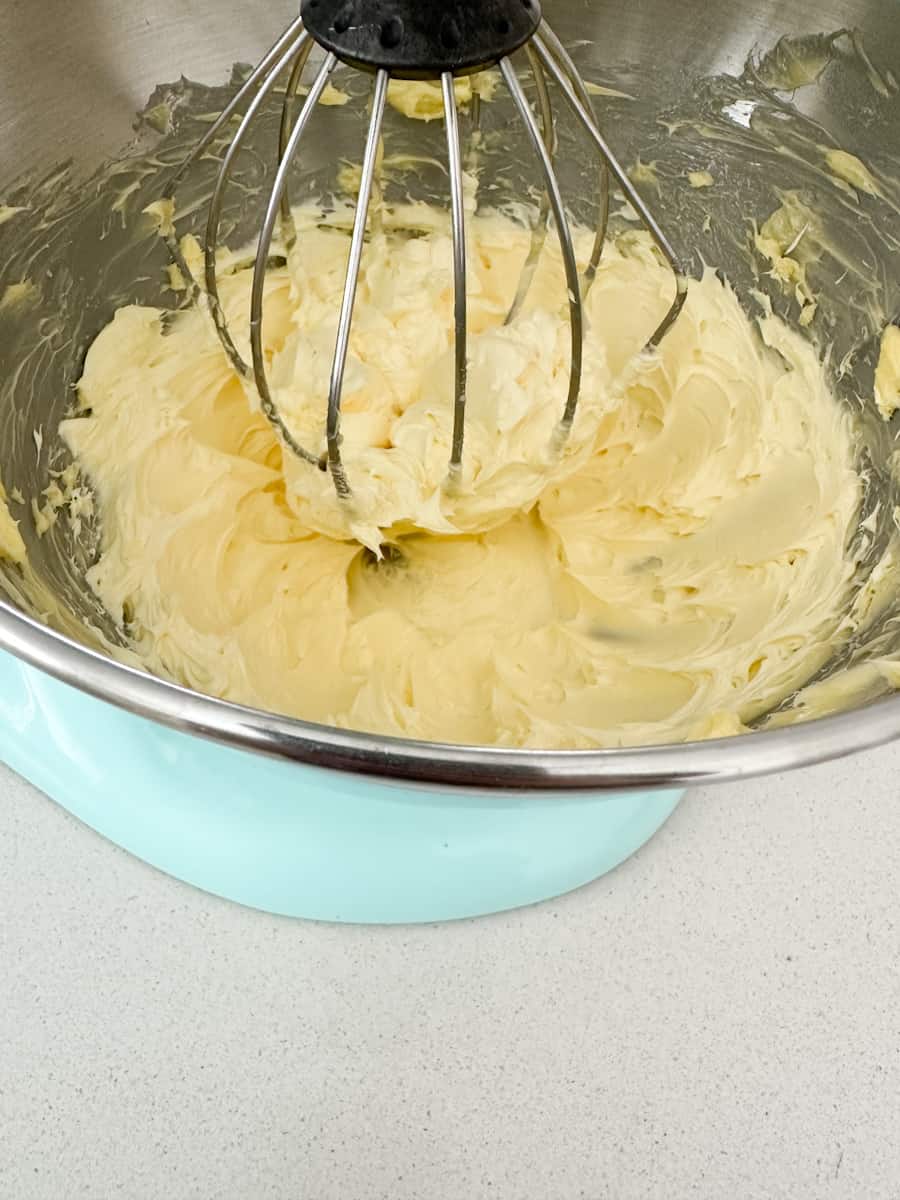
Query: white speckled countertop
[[720, 1017]]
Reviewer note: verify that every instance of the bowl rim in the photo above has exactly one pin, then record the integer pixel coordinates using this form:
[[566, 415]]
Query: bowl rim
[[457, 767]]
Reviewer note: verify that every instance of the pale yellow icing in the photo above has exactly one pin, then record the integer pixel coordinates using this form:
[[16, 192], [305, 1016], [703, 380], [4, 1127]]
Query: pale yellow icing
[[11, 545], [422, 100], [18, 298], [333, 97], [8, 211], [781, 240], [599, 89], [852, 170], [644, 173], [887, 373], [674, 572]]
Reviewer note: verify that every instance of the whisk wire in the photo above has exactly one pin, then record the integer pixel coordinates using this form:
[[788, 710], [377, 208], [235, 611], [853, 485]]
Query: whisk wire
[[259, 268], [211, 238], [261, 70], [289, 38], [581, 91], [559, 64], [288, 231], [566, 245], [539, 232], [474, 142], [548, 60], [351, 280], [458, 226]]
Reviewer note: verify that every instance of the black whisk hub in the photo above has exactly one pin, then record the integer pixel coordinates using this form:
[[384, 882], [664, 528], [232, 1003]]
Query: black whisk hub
[[421, 39]]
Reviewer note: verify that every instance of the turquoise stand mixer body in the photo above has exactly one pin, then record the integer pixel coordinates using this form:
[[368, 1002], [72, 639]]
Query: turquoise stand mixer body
[[301, 840]]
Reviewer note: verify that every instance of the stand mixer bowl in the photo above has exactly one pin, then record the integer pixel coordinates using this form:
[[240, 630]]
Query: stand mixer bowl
[[693, 103]]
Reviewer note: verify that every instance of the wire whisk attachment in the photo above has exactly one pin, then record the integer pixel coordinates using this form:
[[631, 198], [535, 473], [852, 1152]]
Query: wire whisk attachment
[[416, 39]]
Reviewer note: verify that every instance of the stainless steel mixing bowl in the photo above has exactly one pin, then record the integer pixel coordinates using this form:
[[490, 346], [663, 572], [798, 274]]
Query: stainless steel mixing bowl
[[710, 88]]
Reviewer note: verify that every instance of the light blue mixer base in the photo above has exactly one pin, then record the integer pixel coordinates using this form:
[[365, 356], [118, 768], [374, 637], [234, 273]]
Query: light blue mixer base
[[306, 842]]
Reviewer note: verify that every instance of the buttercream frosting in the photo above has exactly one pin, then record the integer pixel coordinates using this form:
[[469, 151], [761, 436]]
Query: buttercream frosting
[[678, 569]]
